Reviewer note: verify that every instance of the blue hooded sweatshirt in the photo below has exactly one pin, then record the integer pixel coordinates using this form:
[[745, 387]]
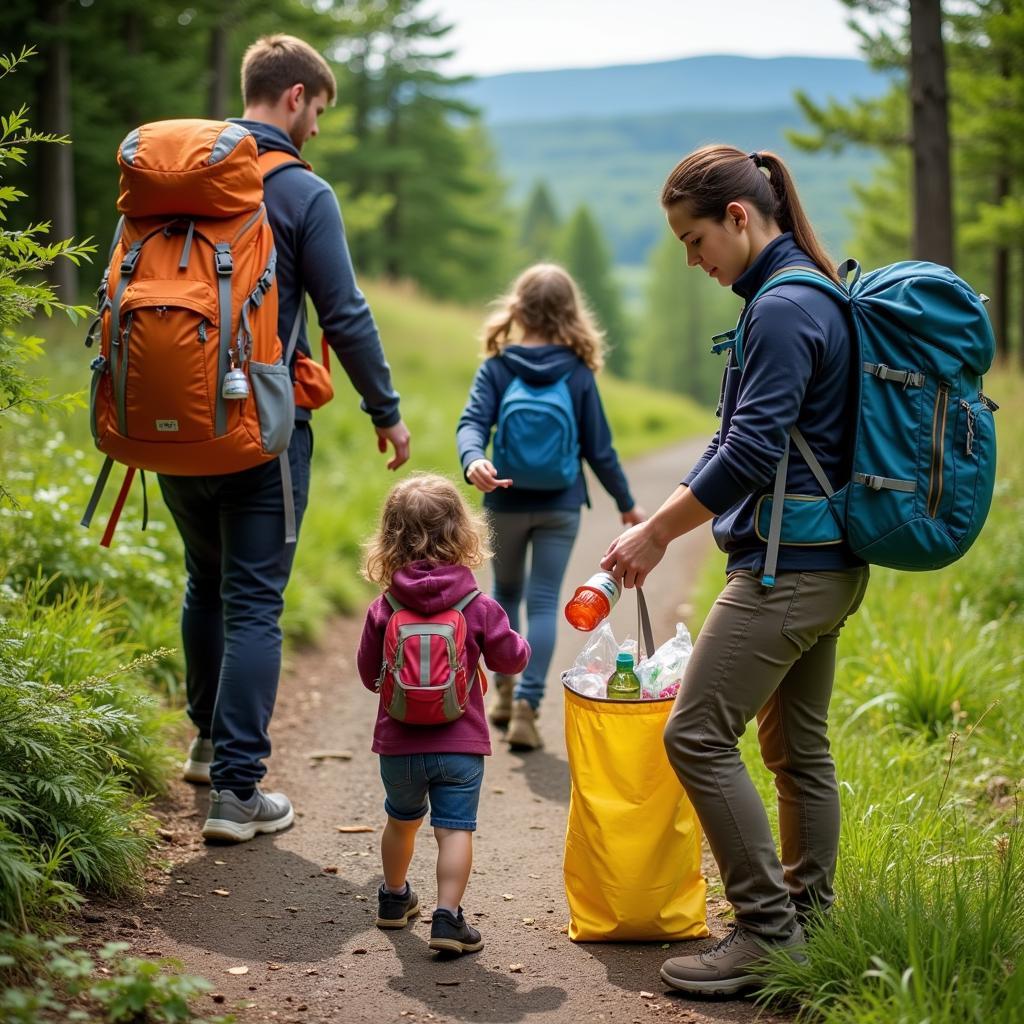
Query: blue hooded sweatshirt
[[536, 365], [312, 255], [797, 370]]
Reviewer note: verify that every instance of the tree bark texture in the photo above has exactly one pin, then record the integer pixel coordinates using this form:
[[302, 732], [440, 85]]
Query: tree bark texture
[[933, 207]]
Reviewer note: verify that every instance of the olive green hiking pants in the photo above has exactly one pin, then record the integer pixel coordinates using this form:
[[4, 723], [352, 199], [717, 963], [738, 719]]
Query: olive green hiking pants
[[768, 653]]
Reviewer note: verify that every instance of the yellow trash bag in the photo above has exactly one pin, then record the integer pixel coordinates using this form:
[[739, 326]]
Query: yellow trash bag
[[632, 847]]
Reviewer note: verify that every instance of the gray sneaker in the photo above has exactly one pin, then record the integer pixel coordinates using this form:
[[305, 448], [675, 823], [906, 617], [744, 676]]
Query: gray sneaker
[[231, 820], [197, 765], [724, 970]]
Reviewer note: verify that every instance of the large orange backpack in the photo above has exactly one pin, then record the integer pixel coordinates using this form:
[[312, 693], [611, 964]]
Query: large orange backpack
[[189, 298]]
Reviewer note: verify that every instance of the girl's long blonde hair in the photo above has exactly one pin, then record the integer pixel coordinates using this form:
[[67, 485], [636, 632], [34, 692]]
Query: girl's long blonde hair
[[425, 518], [544, 302]]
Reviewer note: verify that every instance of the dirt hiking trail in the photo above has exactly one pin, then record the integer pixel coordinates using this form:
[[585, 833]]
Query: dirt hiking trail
[[296, 910]]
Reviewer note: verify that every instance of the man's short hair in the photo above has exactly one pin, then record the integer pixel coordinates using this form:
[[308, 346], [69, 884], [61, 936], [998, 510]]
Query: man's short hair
[[276, 63]]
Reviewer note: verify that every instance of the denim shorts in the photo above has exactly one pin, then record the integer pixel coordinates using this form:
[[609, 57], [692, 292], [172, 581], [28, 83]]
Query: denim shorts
[[450, 782]]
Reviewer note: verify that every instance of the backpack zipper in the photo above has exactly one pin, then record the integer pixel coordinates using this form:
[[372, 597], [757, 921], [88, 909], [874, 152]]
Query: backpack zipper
[[202, 331], [938, 449], [969, 413]]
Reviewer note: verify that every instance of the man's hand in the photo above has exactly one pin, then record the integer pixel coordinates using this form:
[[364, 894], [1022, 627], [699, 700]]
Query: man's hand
[[634, 517], [484, 477], [633, 554], [398, 437]]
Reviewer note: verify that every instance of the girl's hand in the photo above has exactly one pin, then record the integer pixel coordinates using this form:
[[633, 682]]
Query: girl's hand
[[633, 554], [634, 517], [484, 477]]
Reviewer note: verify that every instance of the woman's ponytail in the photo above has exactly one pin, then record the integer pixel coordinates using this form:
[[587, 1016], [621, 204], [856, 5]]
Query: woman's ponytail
[[789, 212]]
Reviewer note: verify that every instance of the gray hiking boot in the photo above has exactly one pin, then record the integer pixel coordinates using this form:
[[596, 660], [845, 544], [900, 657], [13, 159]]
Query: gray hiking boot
[[231, 820], [197, 765], [724, 970], [501, 708]]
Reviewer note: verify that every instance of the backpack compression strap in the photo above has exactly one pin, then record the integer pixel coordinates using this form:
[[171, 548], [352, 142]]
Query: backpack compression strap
[[272, 162]]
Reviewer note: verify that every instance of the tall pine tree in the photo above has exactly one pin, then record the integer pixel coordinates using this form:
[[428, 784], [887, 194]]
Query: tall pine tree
[[587, 257], [538, 232]]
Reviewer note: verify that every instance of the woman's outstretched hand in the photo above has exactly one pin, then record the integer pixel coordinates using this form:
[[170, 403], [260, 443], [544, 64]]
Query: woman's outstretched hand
[[484, 477], [633, 554]]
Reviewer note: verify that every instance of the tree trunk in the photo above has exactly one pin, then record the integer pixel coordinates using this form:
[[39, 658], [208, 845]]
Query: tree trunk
[[1001, 281], [933, 207], [217, 93], [56, 163], [393, 264]]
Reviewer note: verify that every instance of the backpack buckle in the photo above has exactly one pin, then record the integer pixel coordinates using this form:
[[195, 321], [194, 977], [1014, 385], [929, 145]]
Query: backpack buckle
[[131, 257], [874, 482], [224, 263]]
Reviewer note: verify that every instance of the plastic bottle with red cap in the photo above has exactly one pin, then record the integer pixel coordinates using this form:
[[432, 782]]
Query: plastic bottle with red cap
[[593, 601]]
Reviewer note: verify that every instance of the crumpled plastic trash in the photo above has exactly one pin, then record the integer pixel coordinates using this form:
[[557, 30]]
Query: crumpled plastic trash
[[661, 674], [596, 662]]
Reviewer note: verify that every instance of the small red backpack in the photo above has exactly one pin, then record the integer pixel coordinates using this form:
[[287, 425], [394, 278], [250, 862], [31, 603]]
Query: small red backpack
[[425, 679]]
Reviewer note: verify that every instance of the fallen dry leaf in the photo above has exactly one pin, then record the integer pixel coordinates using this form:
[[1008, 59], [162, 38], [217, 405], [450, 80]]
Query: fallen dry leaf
[[221, 892], [538, 828], [497, 789], [274, 967], [165, 833], [516, 968], [331, 755], [355, 828], [221, 862], [237, 970], [330, 869]]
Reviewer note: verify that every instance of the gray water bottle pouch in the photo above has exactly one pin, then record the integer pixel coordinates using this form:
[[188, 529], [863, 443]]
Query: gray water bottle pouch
[[275, 404]]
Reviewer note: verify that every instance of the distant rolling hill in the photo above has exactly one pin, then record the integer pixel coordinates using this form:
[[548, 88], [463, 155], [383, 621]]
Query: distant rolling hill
[[609, 136], [692, 83]]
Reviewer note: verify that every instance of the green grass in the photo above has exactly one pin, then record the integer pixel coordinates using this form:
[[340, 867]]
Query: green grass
[[926, 724]]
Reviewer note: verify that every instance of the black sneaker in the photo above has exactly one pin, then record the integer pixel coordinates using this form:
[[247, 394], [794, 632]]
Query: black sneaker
[[452, 934], [394, 909]]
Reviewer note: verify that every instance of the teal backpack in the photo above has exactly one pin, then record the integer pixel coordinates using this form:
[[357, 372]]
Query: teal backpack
[[924, 449], [537, 441]]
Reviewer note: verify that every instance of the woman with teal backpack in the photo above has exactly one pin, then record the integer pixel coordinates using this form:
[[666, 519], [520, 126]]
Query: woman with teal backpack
[[768, 647], [537, 387]]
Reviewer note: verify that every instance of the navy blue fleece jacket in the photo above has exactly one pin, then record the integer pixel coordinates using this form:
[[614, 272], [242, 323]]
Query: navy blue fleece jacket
[[796, 371], [542, 364], [312, 256]]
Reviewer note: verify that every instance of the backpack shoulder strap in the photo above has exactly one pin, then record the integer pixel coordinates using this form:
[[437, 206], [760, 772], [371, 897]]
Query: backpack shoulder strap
[[272, 161], [391, 600], [460, 606]]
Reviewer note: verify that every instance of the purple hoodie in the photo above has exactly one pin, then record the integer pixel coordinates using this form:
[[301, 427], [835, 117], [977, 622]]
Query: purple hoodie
[[428, 588]]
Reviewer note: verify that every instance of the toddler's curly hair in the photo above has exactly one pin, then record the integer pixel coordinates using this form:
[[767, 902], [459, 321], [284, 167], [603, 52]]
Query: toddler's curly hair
[[425, 518]]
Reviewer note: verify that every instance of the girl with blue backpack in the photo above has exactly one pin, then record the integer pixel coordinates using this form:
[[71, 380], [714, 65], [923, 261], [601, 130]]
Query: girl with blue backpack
[[537, 392], [768, 647]]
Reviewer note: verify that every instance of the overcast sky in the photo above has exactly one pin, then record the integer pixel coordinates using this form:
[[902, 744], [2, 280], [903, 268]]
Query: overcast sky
[[492, 36]]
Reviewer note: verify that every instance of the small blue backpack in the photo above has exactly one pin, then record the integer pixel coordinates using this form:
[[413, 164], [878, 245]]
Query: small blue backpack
[[924, 449], [537, 441]]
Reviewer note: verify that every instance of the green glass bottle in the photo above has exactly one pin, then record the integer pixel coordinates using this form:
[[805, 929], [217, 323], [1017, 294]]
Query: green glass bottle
[[623, 684]]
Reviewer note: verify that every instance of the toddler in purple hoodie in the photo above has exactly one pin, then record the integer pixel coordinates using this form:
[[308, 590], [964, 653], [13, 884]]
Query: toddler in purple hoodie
[[423, 553]]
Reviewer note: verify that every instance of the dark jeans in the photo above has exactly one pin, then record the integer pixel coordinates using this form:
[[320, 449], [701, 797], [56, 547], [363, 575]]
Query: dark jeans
[[547, 537], [238, 566]]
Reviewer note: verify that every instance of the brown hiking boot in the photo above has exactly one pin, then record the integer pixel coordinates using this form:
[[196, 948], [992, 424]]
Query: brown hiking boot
[[724, 969], [501, 707], [522, 728]]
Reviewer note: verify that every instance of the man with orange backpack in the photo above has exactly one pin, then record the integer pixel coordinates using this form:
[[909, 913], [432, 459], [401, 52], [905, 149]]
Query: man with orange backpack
[[236, 471]]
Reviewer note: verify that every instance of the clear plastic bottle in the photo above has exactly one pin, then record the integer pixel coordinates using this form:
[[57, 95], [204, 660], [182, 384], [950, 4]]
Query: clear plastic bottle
[[623, 683], [593, 601]]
